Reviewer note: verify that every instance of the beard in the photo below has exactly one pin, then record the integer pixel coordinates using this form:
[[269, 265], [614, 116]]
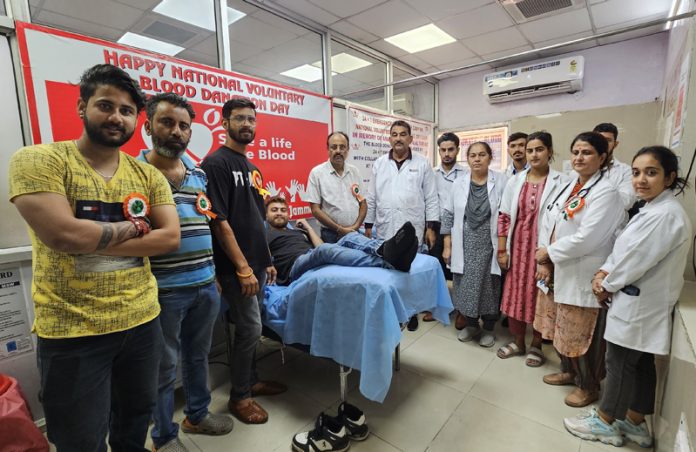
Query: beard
[[237, 136], [98, 135], [171, 149]]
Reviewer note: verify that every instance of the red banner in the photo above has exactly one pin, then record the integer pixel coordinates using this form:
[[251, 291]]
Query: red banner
[[292, 124]]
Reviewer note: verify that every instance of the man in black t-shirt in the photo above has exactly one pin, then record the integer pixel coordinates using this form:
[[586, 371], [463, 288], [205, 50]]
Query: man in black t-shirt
[[242, 260], [295, 251]]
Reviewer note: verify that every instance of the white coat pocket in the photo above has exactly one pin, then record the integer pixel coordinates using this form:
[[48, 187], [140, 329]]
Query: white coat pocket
[[625, 307]]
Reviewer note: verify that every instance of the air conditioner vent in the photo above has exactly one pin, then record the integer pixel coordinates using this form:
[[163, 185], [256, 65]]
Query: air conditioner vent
[[525, 10], [168, 33], [533, 8]]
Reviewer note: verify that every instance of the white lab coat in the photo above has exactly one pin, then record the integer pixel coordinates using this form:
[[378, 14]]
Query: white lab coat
[[620, 175], [555, 182], [457, 206], [650, 254], [395, 196], [582, 242]]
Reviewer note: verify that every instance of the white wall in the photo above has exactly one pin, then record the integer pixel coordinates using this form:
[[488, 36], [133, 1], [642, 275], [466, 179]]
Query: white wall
[[625, 73]]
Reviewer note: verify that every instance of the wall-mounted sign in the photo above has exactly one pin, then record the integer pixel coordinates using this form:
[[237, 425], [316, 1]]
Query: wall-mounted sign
[[291, 129]]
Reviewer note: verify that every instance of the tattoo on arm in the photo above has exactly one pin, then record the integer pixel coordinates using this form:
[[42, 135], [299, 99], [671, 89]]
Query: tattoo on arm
[[107, 235], [124, 231]]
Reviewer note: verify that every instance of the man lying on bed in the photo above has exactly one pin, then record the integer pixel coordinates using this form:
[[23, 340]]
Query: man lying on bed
[[296, 251]]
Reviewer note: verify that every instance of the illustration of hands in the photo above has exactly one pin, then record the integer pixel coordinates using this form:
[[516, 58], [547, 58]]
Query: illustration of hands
[[273, 190], [294, 188], [302, 192]]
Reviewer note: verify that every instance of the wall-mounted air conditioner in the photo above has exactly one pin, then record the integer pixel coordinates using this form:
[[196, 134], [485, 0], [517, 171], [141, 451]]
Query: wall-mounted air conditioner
[[403, 104], [563, 75]]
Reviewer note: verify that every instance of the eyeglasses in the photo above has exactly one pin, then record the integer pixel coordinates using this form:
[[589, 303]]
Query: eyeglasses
[[341, 147], [242, 118]]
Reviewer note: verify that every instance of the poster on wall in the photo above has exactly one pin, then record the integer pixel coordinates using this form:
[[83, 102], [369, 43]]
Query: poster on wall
[[369, 137], [497, 139], [291, 128], [679, 111], [15, 331]]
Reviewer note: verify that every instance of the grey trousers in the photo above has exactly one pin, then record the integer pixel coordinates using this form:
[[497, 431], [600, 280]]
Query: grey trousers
[[245, 314], [630, 382]]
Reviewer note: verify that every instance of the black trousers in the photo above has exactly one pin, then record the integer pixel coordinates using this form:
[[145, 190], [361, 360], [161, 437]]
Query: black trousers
[[630, 383]]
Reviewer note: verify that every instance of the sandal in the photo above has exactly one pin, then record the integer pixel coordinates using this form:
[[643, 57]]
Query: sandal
[[509, 350], [535, 357]]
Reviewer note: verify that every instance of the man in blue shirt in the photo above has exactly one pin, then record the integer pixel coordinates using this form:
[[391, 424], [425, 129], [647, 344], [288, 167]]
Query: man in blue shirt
[[188, 296]]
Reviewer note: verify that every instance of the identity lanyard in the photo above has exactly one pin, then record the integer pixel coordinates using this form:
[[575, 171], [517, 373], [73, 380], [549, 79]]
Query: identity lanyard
[[575, 203]]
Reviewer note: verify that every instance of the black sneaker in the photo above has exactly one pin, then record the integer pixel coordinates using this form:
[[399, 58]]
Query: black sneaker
[[329, 435], [353, 420], [400, 250], [412, 324]]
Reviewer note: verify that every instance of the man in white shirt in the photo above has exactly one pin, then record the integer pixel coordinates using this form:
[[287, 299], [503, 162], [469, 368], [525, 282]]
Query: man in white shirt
[[517, 149], [618, 173], [335, 192], [402, 188]]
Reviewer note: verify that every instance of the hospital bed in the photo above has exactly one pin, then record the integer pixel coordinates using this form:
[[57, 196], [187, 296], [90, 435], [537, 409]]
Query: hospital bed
[[354, 315]]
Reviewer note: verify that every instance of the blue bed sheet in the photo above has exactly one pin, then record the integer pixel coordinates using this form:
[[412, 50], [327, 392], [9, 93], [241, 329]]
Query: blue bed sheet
[[353, 315]]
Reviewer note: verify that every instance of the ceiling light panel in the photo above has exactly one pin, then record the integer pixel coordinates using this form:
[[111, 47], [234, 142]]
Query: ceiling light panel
[[306, 73], [421, 38], [203, 15], [154, 45]]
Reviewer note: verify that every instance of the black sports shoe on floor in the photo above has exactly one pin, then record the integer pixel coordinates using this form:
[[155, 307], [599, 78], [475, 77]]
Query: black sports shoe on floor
[[400, 250], [412, 324], [329, 435], [353, 420]]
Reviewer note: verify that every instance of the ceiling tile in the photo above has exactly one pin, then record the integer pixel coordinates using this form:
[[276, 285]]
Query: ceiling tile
[[207, 46], [414, 61], [389, 19], [198, 57], [343, 8], [459, 63], [476, 22], [260, 34], [507, 53], [557, 26], [107, 13], [497, 41], [614, 12], [308, 10], [633, 34], [242, 5], [387, 48], [241, 51], [350, 30], [77, 26], [445, 54], [439, 9], [144, 5], [275, 21]]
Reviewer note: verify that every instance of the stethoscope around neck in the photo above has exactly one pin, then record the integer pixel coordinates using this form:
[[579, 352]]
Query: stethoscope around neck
[[580, 194]]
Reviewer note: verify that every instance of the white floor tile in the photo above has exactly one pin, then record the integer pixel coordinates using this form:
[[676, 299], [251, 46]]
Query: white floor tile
[[413, 412], [452, 363], [479, 426]]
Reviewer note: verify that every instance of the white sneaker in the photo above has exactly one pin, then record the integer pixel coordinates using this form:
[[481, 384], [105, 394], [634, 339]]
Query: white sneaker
[[591, 427], [639, 434]]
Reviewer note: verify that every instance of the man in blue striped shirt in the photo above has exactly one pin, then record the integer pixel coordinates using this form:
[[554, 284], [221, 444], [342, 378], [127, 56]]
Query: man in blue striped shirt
[[188, 295]]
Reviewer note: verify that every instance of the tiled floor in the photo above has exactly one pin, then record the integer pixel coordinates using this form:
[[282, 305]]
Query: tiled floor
[[448, 396]]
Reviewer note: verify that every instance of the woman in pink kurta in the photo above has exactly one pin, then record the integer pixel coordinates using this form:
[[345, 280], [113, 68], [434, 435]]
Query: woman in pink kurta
[[519, 290]]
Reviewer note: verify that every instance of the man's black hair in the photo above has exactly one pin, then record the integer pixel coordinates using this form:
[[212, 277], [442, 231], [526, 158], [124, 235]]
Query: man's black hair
[[235, 103], [449, 136], [607, 127], [107, 74], [170, 98], [516, 136]]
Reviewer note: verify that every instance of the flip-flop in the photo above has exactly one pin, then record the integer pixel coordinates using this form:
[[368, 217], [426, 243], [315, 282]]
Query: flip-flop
[[535, 357], [509, 350]]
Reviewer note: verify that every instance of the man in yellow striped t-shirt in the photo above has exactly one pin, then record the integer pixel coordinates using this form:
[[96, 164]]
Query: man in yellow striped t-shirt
[[94, 215]]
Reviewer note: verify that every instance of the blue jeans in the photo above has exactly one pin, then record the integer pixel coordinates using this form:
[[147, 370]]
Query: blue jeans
[[187, 319], [94, 385], [245, 313], [352, 250]]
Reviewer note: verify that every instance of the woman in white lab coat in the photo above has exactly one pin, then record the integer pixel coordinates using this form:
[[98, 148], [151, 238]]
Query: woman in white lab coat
[[642, 277], [526, 195], [469, 227], [583, 221]]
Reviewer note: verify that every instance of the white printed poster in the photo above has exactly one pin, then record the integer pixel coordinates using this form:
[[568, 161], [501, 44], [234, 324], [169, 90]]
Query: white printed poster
[[15, 331], [369, 137]]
